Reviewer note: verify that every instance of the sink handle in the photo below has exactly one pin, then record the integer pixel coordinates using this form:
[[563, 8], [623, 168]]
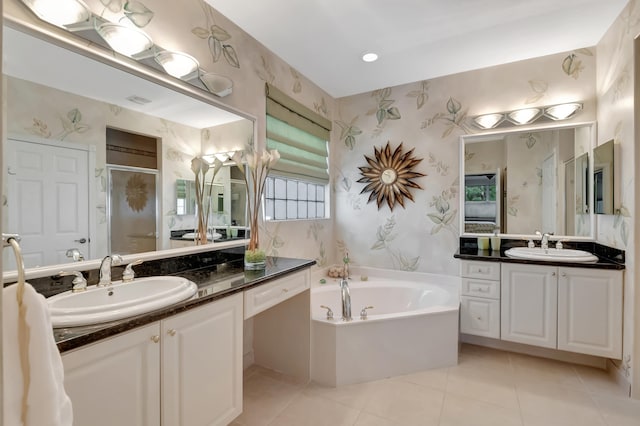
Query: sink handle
[[128, 274], [79, 282]]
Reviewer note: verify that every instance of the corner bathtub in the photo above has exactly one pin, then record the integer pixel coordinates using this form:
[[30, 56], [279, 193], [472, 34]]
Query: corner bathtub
[[413, 326]]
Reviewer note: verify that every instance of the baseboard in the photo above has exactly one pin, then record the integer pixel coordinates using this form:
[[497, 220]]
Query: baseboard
[[588, 360], [619, 377]]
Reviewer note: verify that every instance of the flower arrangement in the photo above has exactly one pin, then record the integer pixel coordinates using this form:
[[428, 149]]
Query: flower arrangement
[[258, 165], [200, 167]]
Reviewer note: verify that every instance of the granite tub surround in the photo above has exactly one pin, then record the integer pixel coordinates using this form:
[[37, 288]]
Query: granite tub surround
[[608, 257], [218, 274]]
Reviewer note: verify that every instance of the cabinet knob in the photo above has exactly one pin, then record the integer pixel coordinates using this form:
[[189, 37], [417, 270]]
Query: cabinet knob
[[479, 318], [553, 274], [171, 332], [285, 290], [564, 274], [155, 339]]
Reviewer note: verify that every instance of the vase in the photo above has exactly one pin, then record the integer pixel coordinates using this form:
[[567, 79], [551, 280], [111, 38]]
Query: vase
[[255, 259]]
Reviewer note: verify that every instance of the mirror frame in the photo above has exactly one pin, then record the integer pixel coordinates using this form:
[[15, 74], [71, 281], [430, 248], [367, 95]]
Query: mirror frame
[[74, 43], [592, 143]]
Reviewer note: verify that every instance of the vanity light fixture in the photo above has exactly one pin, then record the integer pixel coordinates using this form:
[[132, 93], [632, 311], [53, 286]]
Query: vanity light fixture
[[370, 57], [489, 121], [217, 84], [177, 64], [123, 39], [524, 116], [562, 111], [59, 12]]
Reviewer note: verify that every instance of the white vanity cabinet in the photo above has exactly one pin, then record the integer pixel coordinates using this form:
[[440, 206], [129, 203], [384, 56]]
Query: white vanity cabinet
[[590, 311], [480, 298], [184, 370], [572, 309], [529, 304]]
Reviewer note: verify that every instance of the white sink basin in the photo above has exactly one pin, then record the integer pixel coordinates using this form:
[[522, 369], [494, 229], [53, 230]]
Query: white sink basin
[[120, 300], [551, 254], [193, 235]]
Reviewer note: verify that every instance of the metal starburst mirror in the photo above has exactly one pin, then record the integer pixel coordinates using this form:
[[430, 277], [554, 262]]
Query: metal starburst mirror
[[389, 176]]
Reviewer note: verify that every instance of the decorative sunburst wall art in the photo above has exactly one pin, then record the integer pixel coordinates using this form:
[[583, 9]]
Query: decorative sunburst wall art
[[390, 175], [136, 192]]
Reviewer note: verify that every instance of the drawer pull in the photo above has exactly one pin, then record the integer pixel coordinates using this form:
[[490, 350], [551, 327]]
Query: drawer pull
[[480, 289], [479, 318], [564, 274], [155, 339], [171, 332]]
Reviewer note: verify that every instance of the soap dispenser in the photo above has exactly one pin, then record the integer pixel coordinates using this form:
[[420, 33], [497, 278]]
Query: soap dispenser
[[495, 241]]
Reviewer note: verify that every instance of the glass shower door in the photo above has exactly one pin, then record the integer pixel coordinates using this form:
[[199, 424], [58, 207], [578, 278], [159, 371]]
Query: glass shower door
[[132, 209]]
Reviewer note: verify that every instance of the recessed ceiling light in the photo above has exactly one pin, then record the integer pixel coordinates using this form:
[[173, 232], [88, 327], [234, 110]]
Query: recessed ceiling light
[[370, 57]]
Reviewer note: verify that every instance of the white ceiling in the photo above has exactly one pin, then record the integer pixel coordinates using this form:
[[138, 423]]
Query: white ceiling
[[415, 39]]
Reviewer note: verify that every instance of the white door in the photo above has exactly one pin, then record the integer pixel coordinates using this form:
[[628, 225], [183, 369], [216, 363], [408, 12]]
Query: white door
[[48, 200], [590, 311], [116, 381], [529, 304], [202, 364]]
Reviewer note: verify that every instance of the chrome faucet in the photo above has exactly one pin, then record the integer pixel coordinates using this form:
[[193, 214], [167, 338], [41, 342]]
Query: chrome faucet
[[544, 240], [346, 300], [105, 269]]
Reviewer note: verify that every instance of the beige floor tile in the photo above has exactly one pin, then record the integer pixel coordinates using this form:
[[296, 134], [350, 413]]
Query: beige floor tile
[[488, 385], [463, 411], [406, 403], [553, 405], [481, 357], [619, 411], [366, 419], [315, 411], [354, 396], [530, 369], [600, 381], [264, 398], [436, 378]]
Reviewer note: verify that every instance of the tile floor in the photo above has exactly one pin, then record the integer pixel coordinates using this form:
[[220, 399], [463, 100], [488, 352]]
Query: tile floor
[[487, 387]]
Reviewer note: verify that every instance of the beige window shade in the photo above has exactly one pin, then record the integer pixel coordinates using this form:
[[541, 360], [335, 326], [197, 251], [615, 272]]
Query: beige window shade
[[300, 135]]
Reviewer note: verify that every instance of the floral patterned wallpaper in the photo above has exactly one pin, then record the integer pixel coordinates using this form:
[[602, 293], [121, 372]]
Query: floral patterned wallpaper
[[430, 116], [615, 90]]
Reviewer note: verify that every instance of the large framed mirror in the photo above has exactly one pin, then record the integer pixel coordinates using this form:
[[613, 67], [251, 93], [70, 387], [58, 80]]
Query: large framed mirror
[[95, 145], [518, 182]]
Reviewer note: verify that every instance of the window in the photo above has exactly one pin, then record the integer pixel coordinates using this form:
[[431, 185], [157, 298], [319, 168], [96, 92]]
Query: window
[[293, 199], [297, 185]]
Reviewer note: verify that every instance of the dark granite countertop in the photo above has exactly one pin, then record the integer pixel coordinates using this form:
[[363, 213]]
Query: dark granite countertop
[[608, 258], [214, 282]]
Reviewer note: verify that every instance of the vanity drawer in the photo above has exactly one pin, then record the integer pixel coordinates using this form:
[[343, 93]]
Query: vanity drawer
[[482, 270], [481, 288], [270, 294], [480, 317]]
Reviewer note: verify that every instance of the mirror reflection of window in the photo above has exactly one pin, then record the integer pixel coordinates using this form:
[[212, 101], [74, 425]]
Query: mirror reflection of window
[[481, 207]]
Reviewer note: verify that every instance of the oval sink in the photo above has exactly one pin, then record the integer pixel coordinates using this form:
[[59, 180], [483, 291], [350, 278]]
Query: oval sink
[[120, 300], [551, 254]]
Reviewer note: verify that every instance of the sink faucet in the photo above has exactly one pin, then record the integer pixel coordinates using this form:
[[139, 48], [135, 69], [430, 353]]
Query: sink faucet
[[544, 240], [105, 269], [346, 300]]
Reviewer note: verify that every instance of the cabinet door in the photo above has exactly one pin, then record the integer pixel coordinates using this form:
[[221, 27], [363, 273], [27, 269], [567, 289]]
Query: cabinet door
[[202, 364], [590, 311], [529, 304], [116, 381], [480, 316]]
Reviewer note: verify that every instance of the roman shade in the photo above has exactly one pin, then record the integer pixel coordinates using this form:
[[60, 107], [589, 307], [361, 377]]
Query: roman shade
[[301, 137]]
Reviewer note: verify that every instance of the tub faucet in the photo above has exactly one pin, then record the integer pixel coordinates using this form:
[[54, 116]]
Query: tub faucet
[[105, 269], [346, 300]]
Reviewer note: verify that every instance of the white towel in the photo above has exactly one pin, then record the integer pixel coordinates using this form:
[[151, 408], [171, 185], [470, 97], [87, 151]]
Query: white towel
[[47, 403]]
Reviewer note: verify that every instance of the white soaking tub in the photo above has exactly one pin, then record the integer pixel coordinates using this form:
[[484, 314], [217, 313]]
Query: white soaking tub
[[412, 326]]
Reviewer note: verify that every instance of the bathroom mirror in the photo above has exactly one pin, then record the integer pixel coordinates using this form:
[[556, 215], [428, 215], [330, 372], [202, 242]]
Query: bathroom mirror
[[61, 97], [603, 178], [518, 182]]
